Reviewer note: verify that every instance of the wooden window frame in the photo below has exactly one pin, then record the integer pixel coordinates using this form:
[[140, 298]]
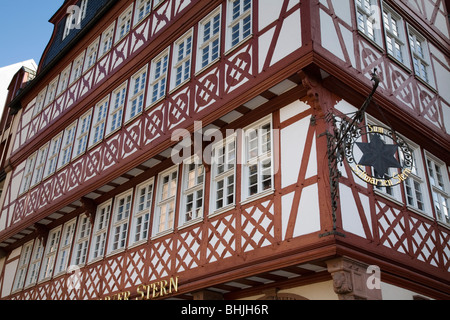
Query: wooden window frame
[[120, 222], [209, 39], [165, 204], [99, 240]]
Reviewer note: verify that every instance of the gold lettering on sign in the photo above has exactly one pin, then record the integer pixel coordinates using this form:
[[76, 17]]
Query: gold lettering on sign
[[398, 177], [376, 129], [151, 291]]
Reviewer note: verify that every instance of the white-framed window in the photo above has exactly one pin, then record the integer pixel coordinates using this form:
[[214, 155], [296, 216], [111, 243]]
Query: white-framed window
[[64, 247], [258, 158], [35, 263], [100, 231], [107, 40], [81, 241], [115, 117], [420, 55], [40, 165], [143, 9], [368, 19], [141, 213], [40, 100], [239, 18], [51, 91], [440, 188], [192, 192], [81, 140], [136, 94], [167, 192], [64, 80], [124, 23], [415, 185], [24, 261], [91, 55], [28, 173], [209, 39], [67, 145], [120, 222], [395, 35], [53, 153], [414, 193], [223, 185], [99, 122], [392, 192], [48, 262], [77, 68], [182, 53], [158, 79]]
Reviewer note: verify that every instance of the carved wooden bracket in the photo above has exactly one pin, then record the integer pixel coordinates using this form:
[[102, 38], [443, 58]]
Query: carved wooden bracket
[[42, 232], [350, 280], [2, 253], [90, 208], [319, 98]]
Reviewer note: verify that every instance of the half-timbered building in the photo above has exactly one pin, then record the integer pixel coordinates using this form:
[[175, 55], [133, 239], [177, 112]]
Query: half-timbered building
[[180, 149]]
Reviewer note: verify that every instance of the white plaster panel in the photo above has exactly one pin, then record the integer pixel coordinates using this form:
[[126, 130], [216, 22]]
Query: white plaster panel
[[16, 181], [442, 24], [180, 5], [308, 219], [350, 216], [10, 272], [269, 11], [312, 164], [264, 41], [366, 206], [15, 253], [293, 140], [3, 220], [343, 10], [429, 9], [286, 205], [292, 110], [349, 44], [324, 3], [446, 115], [345, 107], [415, 5], [442, 78], [329, 35], [290, 38]]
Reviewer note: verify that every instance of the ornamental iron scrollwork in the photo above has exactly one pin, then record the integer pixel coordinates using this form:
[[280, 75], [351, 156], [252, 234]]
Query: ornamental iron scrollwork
[[379, 148], [336, 149]]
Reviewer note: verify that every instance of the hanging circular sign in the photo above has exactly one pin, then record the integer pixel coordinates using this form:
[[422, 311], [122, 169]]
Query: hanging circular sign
[[381, 150]]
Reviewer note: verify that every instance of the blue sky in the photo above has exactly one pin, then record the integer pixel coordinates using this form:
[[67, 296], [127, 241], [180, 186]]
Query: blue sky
[[24, 29]]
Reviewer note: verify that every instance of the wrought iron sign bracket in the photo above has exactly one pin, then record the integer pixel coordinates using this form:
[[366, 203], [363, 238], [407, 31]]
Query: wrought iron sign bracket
[[336, 151]]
